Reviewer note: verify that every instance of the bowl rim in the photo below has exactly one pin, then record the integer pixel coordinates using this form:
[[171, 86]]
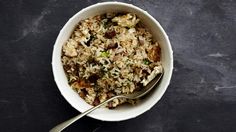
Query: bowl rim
[[128, 6]]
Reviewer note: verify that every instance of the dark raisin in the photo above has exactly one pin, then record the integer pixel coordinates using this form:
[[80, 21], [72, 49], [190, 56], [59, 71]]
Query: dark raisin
[[145, 72], [110, 34], [96, 101], [93, 78], [112, 46], [110, 94], [110, 105]]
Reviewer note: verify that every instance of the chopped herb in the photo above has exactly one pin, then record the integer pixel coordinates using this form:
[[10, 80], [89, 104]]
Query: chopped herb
[[104, 54], [146, 62]]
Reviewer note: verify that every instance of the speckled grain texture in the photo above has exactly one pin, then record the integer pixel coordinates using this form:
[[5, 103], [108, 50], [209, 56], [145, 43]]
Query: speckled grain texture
[[202, 94]]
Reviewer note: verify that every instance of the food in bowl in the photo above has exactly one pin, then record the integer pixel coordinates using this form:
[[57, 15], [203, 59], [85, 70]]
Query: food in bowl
[[109, 55]]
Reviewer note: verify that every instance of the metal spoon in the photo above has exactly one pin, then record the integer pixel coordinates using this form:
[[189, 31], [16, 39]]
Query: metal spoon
[[134, 95]]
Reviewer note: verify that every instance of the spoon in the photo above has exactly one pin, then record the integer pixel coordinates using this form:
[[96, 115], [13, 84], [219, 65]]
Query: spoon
[[134, 95]]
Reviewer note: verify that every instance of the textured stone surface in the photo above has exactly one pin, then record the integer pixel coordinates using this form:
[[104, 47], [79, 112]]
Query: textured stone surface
[[202, 94]]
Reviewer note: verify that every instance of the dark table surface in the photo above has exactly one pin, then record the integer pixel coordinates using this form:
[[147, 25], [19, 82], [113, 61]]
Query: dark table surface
[[202, 93]]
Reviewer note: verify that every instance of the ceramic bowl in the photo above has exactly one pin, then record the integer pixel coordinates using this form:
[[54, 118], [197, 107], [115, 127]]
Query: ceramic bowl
[[122, 112]]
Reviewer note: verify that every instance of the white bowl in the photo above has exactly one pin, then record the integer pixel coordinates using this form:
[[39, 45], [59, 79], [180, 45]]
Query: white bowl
[[123, 112]]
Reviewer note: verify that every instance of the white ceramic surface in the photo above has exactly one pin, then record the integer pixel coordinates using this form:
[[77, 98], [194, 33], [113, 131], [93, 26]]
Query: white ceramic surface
[[123, 112]]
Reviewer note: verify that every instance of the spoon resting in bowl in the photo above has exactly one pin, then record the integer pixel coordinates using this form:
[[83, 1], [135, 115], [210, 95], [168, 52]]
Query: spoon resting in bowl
[[146, 89]]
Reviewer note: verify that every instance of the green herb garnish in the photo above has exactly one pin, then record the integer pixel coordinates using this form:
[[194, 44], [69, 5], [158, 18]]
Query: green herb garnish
[[146, 62], [104, 54]]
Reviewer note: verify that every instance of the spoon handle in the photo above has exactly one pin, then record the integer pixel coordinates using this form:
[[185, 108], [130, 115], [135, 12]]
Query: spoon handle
[[65, 124]]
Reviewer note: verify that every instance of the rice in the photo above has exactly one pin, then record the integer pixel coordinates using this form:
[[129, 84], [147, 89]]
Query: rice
[[109, 55]]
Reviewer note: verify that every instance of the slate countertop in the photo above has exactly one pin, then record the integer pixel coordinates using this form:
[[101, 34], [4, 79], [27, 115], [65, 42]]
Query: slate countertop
[[200, 98]]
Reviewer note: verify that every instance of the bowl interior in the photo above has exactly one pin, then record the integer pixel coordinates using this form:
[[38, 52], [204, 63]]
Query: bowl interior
[[125, 111]]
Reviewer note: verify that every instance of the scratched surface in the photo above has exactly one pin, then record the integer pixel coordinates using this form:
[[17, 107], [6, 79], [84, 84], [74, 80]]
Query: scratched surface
[[202, 94]]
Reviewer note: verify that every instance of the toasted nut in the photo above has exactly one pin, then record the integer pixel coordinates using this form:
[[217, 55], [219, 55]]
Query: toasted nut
[[154, 53]]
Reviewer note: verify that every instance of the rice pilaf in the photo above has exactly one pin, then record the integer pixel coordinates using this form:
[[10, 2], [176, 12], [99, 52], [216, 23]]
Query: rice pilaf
[[108, 55]]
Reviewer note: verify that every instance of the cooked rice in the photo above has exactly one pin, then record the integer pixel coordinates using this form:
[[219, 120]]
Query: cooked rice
[[108, 55]]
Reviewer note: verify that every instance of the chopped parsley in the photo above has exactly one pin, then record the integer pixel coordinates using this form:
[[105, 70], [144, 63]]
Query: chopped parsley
[[146, 62], [104, 54]]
